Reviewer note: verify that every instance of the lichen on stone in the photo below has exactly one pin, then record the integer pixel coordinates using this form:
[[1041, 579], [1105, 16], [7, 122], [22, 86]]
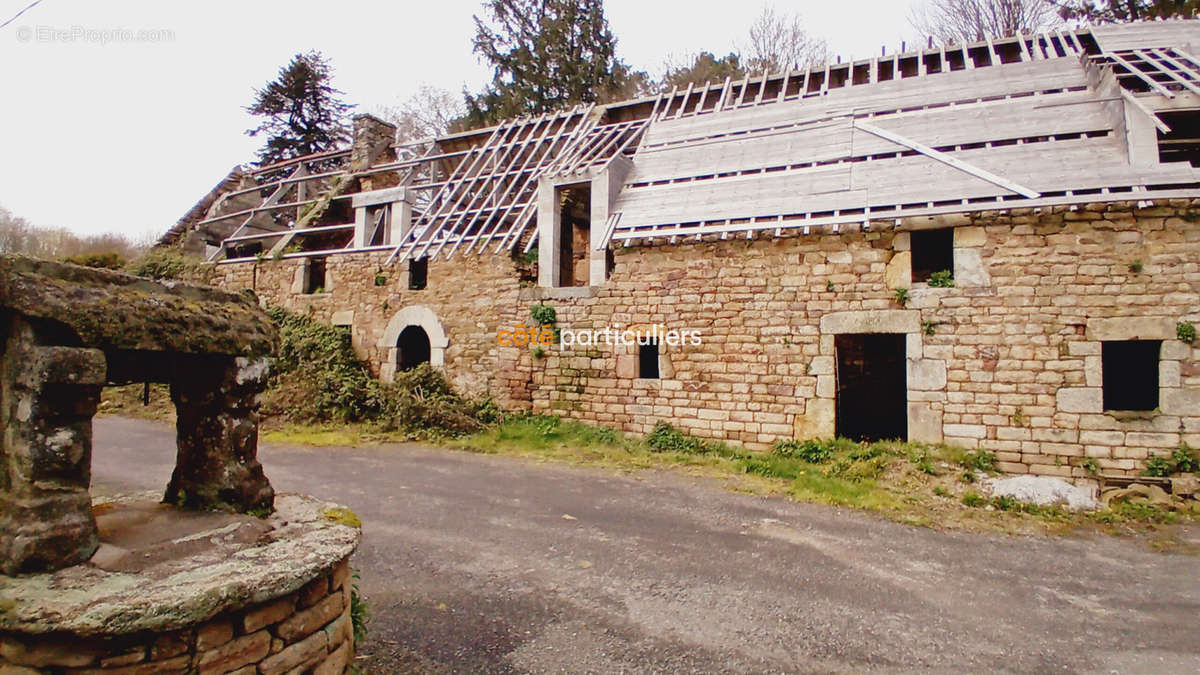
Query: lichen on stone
[[343, 516]]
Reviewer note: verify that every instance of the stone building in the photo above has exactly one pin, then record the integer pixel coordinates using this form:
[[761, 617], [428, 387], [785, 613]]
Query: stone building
[[992, 245]]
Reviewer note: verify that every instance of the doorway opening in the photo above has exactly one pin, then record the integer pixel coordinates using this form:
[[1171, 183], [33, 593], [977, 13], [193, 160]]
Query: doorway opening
[[412, 348], [575, 204], [872, 386]]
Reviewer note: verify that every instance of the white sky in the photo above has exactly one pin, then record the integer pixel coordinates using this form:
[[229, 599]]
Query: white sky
[[126, 136]]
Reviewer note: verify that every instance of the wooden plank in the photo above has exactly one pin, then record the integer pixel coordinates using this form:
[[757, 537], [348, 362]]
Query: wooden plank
[[887, 95], [1158, 123], [814, 142], [946, 159]]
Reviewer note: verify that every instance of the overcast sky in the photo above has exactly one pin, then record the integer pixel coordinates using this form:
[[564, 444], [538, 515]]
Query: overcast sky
[[105, 135]]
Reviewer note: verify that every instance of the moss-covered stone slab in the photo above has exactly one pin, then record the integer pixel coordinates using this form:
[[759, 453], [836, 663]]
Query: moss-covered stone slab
[[115, 311]]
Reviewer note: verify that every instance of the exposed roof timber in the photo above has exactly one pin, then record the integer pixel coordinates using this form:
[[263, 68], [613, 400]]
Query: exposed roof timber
[[1158, 123], [944, 158], [804, 221], [732, 131]]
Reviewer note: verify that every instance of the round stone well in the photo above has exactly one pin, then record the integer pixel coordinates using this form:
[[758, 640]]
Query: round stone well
[[181, 591]]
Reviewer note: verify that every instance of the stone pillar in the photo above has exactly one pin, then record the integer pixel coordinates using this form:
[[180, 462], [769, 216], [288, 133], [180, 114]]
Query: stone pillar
[[606, 187], [216, 403], [49, 396], [549, 224]]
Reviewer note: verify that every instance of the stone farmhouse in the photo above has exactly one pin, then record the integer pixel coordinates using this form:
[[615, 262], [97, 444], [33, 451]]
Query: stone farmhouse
[[994, 245]]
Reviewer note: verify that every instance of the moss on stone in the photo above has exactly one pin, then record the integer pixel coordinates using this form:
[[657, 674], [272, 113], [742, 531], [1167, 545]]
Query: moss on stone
[[343, 516]]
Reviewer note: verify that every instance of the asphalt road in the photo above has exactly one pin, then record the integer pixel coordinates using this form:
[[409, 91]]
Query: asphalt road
[[491, 564]]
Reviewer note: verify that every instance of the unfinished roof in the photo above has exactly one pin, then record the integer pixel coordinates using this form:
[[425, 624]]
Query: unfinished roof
[[1030, 120]]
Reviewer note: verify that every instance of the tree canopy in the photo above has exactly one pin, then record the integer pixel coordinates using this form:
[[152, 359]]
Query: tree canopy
[[546, 55], [969, 20], [705, 67], [1110, 11], [302, 112]]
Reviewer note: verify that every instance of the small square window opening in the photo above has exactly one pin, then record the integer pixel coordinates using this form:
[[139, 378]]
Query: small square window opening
[[648, 361], [418, 274], [1130, 374], [932, 254], [314, 277]]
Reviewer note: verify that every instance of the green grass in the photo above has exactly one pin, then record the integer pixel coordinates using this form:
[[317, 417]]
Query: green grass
[[920, 484]]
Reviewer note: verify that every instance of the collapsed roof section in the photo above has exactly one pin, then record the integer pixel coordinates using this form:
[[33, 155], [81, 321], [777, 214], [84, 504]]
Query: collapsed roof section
[[1029, 120]]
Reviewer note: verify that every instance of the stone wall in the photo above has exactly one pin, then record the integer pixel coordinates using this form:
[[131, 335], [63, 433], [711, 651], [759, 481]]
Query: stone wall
[[308, 631], [1006, 359], [469, 299]]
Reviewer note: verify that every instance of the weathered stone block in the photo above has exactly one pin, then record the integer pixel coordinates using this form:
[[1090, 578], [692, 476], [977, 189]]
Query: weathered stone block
[[926, 374], [969, 269], [879, 321], [307, 652], [214, 634], [1179, 401], [965, 430], [236, 653], [898, 273], [968, 237], [269, 614], [1131, 328], [310, 620], [817, 421], [1080, 399], [924, 423]]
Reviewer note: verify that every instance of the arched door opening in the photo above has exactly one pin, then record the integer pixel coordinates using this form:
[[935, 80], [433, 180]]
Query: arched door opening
[[412, 348]]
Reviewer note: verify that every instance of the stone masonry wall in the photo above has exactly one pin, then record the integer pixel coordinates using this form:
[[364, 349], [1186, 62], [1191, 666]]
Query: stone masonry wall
[[307, 632], [471, 298], [1008, 359]]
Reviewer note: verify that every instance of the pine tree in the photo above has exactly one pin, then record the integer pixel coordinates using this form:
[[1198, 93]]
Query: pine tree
[[301, 110], [545, 55]]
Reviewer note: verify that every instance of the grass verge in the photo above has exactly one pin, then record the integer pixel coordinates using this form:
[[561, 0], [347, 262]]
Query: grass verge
[[919, 484]]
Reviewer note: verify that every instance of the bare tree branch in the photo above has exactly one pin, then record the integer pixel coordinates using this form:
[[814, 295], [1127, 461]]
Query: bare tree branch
[[425, 114], [969, 20], [779, 42]]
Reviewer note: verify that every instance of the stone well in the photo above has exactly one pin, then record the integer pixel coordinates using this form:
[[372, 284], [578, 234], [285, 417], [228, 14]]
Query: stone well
[[177, 591], [217, 575]]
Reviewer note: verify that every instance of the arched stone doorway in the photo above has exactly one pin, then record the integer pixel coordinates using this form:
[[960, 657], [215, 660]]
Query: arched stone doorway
[[419, 329], [412, 348]]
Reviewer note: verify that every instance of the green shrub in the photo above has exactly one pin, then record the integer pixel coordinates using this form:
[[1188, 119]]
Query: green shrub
[[979, 460], [1143, 511], [106, 261], [921, 460], [941, 279], [543, 314], [666, 438], [162, 263], [1158, 466], [1186, 459], [1182, 460], [317, 377], [859, 470], [902, 296], [1006, 503], [815, 451], [360, 613], [1186, 331], [973, 499]]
